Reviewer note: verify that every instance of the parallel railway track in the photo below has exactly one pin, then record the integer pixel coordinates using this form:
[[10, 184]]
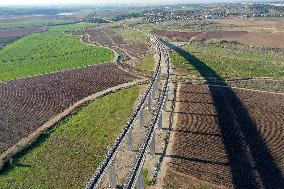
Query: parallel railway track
[[140, 159]]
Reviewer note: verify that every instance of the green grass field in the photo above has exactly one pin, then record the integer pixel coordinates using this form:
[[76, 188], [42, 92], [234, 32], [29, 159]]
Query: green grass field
[[49, 51], [67, 156], [227, 64], [32, 22], [133, 36], [147, 63]]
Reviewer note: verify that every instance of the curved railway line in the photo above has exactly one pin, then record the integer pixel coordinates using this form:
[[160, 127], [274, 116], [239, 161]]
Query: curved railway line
[[149, 137]]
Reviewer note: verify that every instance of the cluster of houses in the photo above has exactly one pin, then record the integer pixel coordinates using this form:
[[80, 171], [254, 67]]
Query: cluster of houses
[[214, 11]]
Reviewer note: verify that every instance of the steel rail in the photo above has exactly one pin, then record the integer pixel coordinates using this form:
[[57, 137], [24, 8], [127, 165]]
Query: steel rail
[[141, 156], [97, 177]]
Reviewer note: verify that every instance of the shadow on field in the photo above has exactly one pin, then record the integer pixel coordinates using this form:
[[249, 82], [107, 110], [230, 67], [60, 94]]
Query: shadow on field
[[242, 140], [15, 161]]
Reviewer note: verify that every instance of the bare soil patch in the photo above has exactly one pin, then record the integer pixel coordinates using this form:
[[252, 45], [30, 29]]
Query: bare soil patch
[[263, 33], [264, 39], [26, 104], [259, 37], [250, 23], [110, 38], [175, 35], [222, 35], [10, 35], [16, 32]]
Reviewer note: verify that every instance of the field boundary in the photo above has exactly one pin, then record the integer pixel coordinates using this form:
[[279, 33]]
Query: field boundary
[[25, 143], [116, 55], [240, 88], [199, 181], [114, 60], [253, 90], [53, 72]]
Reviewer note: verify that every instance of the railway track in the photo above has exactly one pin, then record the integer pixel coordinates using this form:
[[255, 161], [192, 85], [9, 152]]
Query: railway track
[[107, 164], [135, 177]]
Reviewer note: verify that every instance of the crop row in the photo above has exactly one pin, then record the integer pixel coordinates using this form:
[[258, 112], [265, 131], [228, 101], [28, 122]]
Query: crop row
[[28, 103], [218, 141]]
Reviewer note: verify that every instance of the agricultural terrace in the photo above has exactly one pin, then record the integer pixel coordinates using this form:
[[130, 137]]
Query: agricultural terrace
[[66, 156], [230, 60], [49, 51]]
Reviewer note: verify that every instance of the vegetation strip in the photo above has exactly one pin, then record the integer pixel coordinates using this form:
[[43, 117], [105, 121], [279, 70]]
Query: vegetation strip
[[66, 155], [32, 23], [32, 138]]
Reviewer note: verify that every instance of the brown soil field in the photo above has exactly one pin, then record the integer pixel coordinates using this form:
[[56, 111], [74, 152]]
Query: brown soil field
[[249, 23], [10, 35], [17, 32], [264, 39], [255, 32], [259, 38], [228, 137], [222, 35], [110, 38], [26, 104], [176, 35]]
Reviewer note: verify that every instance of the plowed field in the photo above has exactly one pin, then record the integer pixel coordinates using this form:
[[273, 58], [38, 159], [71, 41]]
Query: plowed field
[[233, 138], [9, 35], [26, 104]]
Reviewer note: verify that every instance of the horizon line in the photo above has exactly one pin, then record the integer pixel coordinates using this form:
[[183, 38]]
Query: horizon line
[[137, 4]]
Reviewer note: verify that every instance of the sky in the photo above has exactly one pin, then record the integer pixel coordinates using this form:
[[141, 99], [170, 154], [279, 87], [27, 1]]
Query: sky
[[45, 2]]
